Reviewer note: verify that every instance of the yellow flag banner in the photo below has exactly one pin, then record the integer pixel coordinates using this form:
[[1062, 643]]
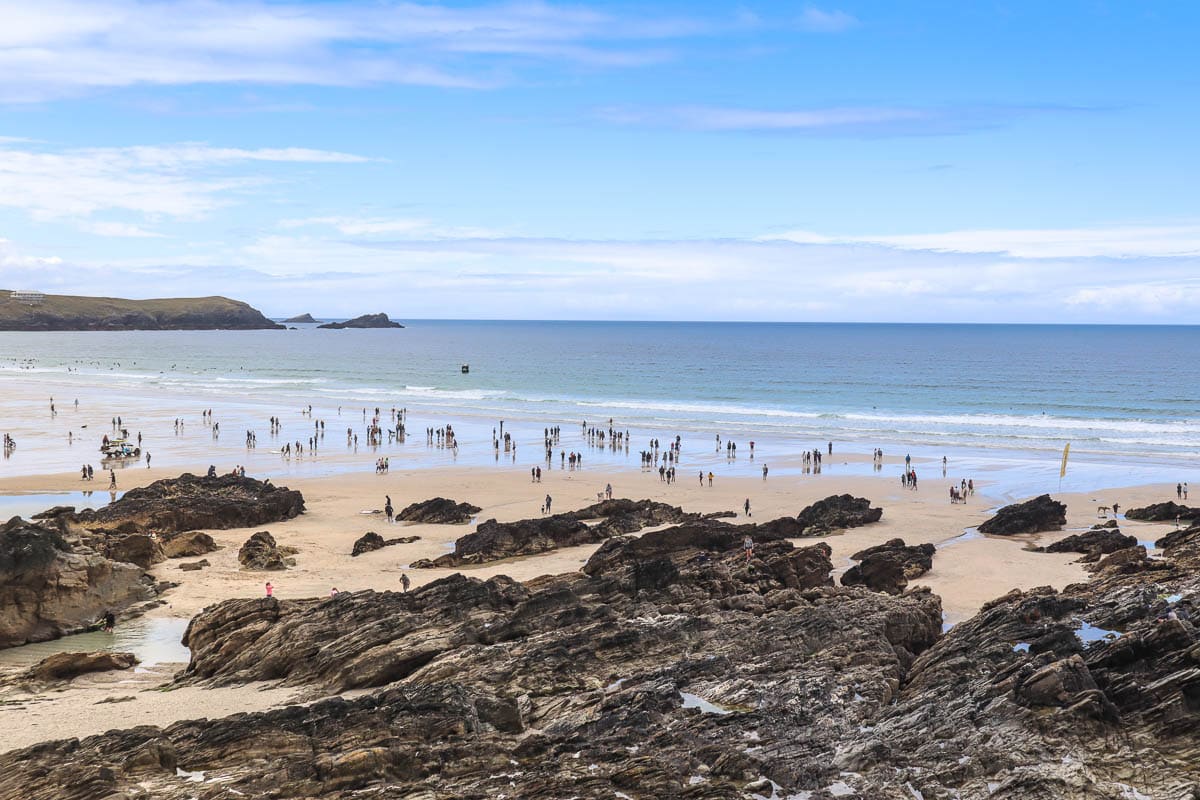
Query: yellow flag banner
[[1062, 473]]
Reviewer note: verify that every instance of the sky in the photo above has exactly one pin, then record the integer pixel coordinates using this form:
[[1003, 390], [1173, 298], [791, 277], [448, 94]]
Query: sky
[[839, 161]]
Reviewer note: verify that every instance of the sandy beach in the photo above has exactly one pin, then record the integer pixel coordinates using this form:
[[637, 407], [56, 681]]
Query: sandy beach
[[345, 497], [968, 570]]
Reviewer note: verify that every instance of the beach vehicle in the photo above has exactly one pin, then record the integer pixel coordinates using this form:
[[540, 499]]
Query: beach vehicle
[[119, 450]]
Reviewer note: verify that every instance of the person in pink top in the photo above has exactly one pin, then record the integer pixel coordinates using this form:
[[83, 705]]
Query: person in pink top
[[270, 590]]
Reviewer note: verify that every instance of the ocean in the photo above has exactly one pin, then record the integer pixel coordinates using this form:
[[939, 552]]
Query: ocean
[[1114, 392]]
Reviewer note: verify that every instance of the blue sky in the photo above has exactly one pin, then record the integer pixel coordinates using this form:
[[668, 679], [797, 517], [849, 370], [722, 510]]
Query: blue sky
[[873, 161]]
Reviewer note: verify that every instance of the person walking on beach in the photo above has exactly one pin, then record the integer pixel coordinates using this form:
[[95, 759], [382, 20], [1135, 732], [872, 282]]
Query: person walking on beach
[[387, 507], [270, 590], [701, 477], [549, 500], [764, 472], [404, 582], [112, 479], [1179, 491], [747, 507], [710, 477], [608, 491], [1185, 490], [147, 459]]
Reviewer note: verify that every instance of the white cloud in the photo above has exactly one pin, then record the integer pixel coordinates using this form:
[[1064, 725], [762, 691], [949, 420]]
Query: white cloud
[[818, 21], [858, 121], [1114, 241], [409, 227], [64, 46], [151, 183], [328, 265], [124, 230], [12, 259]]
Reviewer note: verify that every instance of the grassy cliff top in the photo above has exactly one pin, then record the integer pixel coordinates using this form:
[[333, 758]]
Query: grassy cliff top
[[71, 312]]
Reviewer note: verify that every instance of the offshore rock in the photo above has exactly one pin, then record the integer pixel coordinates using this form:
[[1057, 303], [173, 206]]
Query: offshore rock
[[1042, 513], [1163, 512], [371, 541], [260, 552], [365, 321], [438, 511], [48, 590], [65, 666], [837, 512], [890, 566]]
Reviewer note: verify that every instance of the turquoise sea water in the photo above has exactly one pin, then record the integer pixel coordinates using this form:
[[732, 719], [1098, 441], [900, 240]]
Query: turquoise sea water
[[1115, 392]]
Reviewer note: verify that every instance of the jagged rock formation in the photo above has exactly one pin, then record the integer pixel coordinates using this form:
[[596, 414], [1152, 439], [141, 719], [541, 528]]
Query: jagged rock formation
[[260, 552], [1163, 512], [303, 318], [671, 667], [837, 512], [371, 541], [71, 313], [49, 588], [1042, 513], [494, 540], [136, 548], [1179, 537], [1099, 541], [186, 544], [65, 666], [889, 567], [189, 502], [365, 321], [438, 511]]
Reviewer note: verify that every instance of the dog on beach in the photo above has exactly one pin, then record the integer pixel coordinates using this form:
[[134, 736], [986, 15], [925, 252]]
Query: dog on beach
[[1102, 511]]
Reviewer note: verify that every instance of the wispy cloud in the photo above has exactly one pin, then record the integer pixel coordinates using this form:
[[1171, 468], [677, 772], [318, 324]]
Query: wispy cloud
[[61, 47], [1122, 241], [410, 227], [325, 269], [181, 181], [818, 21], [864, 121]]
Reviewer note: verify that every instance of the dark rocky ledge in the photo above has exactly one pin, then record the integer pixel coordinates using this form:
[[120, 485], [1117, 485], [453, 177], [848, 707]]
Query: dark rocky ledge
[[365, 321]]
